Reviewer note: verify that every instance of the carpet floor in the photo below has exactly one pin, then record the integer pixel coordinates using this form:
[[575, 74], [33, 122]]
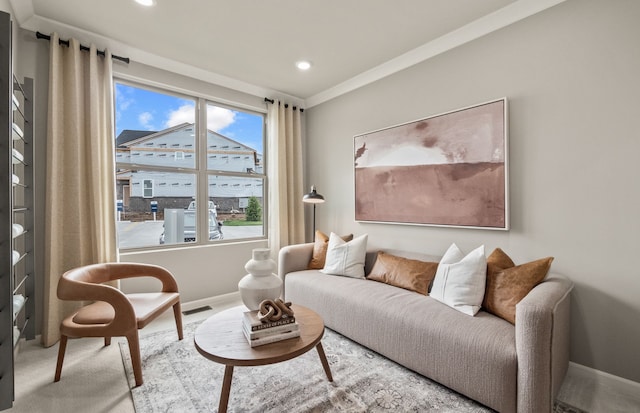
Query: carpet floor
[[178, 378]]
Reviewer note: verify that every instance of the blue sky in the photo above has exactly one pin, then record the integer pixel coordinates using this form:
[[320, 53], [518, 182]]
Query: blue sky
[[142, 109]]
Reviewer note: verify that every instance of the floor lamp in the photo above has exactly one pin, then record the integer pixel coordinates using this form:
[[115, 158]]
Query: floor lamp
[[313, 198]]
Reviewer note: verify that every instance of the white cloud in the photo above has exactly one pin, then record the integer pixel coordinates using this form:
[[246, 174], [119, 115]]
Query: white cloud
[[145, 119], [185, 113], [217, 118], [123, 102]]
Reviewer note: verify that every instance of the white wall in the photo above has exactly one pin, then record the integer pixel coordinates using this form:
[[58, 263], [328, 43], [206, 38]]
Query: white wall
[[571, 75]]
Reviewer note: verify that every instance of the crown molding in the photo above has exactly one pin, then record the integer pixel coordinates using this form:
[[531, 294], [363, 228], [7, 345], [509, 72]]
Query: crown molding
[[519, 10], [32, 22], [510, 14]]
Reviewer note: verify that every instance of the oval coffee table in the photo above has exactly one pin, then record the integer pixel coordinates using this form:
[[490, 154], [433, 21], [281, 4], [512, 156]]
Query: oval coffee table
[[220, 339]]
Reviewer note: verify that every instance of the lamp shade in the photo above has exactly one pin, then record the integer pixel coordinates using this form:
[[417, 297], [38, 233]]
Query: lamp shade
[[313, 197]]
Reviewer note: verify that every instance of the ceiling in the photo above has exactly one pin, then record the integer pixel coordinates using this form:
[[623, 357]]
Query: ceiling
[[253, 45]]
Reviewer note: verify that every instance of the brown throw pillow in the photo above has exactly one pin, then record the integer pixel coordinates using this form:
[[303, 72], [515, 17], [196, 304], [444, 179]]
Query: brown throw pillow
[[413, 275], [508, 283], [320, 246]]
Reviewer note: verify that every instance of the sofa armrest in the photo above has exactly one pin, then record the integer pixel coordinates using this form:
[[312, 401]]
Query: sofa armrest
[[293, 258], [542, 343]]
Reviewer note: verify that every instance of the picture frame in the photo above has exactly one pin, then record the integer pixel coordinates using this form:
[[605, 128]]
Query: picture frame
[[446, 170]]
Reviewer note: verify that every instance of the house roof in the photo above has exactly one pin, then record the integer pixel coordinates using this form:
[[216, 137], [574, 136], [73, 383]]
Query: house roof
[[128, 138], [128, 135]]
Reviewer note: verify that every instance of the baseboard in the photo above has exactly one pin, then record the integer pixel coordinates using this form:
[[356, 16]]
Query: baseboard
[[212, 301], [619, 385]]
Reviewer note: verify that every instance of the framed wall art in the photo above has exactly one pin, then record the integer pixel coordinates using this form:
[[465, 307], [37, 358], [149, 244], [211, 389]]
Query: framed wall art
[[444, 170]]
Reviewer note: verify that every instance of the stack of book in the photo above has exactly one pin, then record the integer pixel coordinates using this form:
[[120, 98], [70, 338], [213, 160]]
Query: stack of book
[[264, 332]]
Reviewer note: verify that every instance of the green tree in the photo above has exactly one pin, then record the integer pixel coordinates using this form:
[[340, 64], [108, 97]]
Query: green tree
[[254, 211]]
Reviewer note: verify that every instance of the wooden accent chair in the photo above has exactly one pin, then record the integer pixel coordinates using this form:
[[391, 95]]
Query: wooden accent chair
[[114, 313]]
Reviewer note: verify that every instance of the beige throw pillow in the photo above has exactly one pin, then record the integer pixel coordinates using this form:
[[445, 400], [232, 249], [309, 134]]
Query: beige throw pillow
[[413, 275]]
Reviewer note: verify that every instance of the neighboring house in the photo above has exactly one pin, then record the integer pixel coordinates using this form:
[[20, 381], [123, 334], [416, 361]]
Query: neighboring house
[[174, 148]]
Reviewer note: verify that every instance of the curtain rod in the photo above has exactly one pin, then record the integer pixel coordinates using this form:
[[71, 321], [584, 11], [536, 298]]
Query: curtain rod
[[286, 105], [82, 47]]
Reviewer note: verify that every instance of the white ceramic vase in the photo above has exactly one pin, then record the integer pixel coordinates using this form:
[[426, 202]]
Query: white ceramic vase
[[261, 283]]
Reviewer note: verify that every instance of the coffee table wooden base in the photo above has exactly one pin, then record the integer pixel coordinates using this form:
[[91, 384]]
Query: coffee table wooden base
[[228, 377], [226, 389], [325, 363], [220, 339]]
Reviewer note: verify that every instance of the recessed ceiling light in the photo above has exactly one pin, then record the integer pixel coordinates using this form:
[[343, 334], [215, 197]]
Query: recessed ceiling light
[[303, 65], [146, 2]]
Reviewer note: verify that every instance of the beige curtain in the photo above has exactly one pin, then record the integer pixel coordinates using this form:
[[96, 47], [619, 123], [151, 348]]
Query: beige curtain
[[286, 212], [80, 226]]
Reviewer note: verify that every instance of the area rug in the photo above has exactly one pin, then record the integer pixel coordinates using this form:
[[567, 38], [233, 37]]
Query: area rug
[[178, 379]]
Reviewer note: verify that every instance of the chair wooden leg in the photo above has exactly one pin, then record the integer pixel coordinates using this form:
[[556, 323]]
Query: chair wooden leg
[[62, 348], [107, 341], [178, 316], [134, 349]]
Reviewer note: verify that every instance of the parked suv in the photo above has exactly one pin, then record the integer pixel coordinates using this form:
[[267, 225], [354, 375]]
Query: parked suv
[[215, 227]]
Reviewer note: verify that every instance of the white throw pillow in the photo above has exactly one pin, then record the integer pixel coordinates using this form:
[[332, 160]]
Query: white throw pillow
[[460, 280], [346, 258]]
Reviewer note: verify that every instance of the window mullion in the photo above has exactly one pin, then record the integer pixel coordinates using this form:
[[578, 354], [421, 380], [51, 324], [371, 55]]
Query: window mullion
[[202, 200]]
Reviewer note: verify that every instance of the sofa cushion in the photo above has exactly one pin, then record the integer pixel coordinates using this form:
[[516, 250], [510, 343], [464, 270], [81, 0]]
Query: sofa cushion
[[508, 283], [413, 275], [320, 245], [472, 355], [460, 280], [346, 258]]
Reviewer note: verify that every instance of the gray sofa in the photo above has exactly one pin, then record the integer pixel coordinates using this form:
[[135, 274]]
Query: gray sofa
[[505, 367]]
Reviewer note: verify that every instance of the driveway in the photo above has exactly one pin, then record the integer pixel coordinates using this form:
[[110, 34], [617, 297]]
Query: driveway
[[147, 233]]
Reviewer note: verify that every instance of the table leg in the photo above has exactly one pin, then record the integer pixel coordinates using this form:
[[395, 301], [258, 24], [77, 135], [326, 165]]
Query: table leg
[[226, 388], [325, 363]]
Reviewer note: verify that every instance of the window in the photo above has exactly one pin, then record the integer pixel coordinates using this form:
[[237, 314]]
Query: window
[[147, 188], [164, 155]]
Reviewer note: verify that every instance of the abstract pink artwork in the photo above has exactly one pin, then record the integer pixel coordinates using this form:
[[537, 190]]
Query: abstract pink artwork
[[444, 170]]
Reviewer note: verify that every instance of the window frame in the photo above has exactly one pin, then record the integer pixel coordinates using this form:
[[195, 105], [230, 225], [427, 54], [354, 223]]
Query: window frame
[[144, 188], [200, 170]]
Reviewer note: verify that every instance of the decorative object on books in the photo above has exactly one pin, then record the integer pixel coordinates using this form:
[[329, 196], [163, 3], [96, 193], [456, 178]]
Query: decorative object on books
[[177, 379], [274, 322], [444, 170], [252, 320], [271, 310], [261, 283]]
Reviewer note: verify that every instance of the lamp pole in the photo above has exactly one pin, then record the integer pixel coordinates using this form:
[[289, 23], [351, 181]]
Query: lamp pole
[[314, 219], [314, 198]]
